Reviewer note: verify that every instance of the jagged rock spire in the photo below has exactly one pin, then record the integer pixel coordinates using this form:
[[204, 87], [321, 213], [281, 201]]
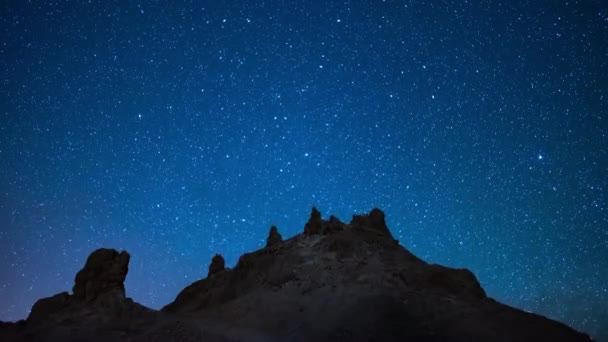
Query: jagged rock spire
[[314, 224], [274, 237], [217, 265]]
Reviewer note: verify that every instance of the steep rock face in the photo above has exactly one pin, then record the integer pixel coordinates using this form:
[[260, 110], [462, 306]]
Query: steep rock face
[[335, 282]]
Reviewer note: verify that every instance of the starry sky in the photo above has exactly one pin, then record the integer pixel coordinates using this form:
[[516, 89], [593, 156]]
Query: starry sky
[[178, 129]]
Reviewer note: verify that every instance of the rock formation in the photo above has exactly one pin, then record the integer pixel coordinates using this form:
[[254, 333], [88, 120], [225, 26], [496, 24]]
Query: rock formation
[[335, 282], [99, 311], [313, 226], [316, 225], [103, 274], [46, 307], [273, 237], [100, 283], [217, 265], [375, 221]]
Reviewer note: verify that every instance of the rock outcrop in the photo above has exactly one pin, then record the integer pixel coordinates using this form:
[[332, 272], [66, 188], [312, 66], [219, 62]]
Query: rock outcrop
[[103, 275], [352, 281], [99, 286], [217, 265], [317, 226], [374, 221], [314, 224], [274, 237], [99, 310], [335, 282], [46, 307]]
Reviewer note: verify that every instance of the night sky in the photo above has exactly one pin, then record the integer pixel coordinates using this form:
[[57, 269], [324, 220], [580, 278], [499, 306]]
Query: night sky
[[176, 130]]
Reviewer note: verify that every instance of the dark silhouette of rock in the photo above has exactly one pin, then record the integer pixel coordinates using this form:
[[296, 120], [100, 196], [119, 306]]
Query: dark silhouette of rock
[[314, 224], [45, 307], [335, 282], [103, 274], [99, 285], [456, 281], [274, 237], [375, 221], [333, 225], [217, 265]]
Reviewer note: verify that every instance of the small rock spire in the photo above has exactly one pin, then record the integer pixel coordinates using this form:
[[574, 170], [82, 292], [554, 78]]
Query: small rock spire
[[376, 218], [274, 237], [217, 265], [314, 224]]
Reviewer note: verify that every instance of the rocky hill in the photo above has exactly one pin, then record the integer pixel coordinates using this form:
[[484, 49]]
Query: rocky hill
[[334, 282]]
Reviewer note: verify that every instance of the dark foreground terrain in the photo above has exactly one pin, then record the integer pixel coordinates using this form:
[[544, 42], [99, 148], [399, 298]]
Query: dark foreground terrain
[[334, 282]]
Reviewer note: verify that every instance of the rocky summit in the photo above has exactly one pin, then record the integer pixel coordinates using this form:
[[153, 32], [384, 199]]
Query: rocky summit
[[334, 282]]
